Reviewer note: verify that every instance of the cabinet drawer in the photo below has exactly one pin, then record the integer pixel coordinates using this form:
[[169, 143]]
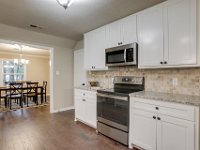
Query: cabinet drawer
[[85, 93], [179, 111], [142, 104]]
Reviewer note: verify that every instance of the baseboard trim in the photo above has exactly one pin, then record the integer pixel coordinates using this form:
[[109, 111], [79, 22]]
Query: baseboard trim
[[63, 109]]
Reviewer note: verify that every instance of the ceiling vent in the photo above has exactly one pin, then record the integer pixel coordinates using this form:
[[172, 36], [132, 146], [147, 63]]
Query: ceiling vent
[[35, 26]]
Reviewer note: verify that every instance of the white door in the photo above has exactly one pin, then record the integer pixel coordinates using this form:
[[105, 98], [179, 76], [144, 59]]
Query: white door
[[80, 74], [80, 108], [151, 36], [181, 27], [143, 127], [129, 30], [114, 34], [175, 134], [91, 112]]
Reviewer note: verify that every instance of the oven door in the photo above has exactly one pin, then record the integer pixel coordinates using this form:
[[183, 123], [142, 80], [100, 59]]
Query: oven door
[[113, 110]]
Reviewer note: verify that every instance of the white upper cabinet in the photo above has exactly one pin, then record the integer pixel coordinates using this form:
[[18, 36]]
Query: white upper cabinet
[[129, 29], [167, 35], [113, 34], [181, 32], [121, 32], [151, 36], [94, 49]]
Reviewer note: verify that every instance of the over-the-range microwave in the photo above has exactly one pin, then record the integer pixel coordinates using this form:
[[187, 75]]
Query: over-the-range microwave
[[124, 55]]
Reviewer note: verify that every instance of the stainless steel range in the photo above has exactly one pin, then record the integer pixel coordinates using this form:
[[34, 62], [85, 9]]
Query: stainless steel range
[[113, 107]]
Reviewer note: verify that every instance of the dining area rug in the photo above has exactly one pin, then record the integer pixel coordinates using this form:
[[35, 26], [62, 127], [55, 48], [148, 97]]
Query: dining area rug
[[16, 106]]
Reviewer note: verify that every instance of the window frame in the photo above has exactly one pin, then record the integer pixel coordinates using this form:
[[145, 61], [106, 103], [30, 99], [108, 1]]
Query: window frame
[[3, 74]]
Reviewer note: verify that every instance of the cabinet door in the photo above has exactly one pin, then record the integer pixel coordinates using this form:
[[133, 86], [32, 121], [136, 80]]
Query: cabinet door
[[151, 36], [113, 34], [175, 134], [91, 112], [129, 33], [89, 51], [95, 43], [181, 27], [79, 108], [142, 129]]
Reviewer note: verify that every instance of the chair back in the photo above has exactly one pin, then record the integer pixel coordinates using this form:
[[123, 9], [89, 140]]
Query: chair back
[[32, 87], [44, 86], [15, 88]]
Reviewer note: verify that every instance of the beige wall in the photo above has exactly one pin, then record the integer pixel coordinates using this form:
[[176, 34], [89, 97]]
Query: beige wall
[[79, 45], [63, 53], [37, 70]]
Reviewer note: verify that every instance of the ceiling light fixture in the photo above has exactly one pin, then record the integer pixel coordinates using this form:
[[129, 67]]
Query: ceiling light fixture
[[65, 3]]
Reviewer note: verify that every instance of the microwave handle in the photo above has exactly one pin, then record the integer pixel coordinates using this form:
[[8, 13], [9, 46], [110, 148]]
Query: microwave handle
[[125, 55]]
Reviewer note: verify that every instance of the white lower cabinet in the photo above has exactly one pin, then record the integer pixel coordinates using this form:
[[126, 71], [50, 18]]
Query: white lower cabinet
[[175, 134], [85, 107], [144, 129], [153, 128]]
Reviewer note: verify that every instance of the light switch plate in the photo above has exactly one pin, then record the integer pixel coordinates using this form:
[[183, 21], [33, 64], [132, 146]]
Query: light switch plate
[[57, 73]]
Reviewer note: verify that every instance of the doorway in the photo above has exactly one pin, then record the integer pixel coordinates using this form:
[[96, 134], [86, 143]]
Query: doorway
[[27, 63]]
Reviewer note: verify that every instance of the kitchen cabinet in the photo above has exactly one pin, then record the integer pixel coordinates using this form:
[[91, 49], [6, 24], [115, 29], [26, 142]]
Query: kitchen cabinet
[[121, 32], [94, 49], [167, 35], [144, 127], [180, 32], [85, 107], [174, 134], [156, 125], [151, 36]]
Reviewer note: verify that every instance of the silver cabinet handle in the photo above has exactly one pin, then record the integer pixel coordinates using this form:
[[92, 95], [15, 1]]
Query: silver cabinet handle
[[113, 97]]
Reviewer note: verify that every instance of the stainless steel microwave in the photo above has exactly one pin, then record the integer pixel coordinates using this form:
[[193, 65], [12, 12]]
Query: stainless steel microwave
[[122, 55]]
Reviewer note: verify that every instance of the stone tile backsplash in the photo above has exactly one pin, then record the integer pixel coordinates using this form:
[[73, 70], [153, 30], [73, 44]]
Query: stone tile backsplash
[[156, 80]]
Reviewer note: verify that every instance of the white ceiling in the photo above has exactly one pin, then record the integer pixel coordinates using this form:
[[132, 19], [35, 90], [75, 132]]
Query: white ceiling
[[81, 17], [10, 48]]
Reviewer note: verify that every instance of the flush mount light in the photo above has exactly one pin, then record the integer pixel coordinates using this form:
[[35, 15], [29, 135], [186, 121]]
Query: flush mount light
[[65, 3]]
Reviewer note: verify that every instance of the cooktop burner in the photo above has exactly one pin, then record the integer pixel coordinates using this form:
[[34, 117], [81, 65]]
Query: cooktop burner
[[125, 86]]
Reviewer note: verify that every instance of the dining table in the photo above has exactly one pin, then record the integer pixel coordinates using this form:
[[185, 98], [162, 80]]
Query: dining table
[[5, 89]]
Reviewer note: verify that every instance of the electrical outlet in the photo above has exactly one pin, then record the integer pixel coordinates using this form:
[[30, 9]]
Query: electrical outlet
[[175, 81]]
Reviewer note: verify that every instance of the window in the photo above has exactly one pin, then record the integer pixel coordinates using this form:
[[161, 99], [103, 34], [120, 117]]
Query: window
[[12, 71]]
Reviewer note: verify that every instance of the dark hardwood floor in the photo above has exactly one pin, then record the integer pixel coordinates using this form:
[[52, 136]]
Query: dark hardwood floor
[[37, 129]]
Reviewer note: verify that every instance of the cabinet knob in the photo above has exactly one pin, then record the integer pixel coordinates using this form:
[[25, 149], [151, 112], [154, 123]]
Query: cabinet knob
[[154, 117], [161, 62], [159, 118], [83, 100], [165, 62], [157, 108], [118, 43], [121, 43]]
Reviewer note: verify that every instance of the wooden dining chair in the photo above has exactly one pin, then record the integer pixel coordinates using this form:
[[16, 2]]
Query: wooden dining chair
[[32, 92], [15, 92], [43, 93]]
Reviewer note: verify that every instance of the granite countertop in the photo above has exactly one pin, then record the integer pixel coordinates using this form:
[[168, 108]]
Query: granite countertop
[[167, 97]]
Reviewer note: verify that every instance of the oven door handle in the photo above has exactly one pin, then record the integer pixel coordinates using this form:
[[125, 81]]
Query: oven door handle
[[113, 97], [125, 55]]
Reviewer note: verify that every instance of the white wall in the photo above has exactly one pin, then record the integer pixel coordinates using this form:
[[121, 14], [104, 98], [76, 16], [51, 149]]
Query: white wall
[[63, 60]]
